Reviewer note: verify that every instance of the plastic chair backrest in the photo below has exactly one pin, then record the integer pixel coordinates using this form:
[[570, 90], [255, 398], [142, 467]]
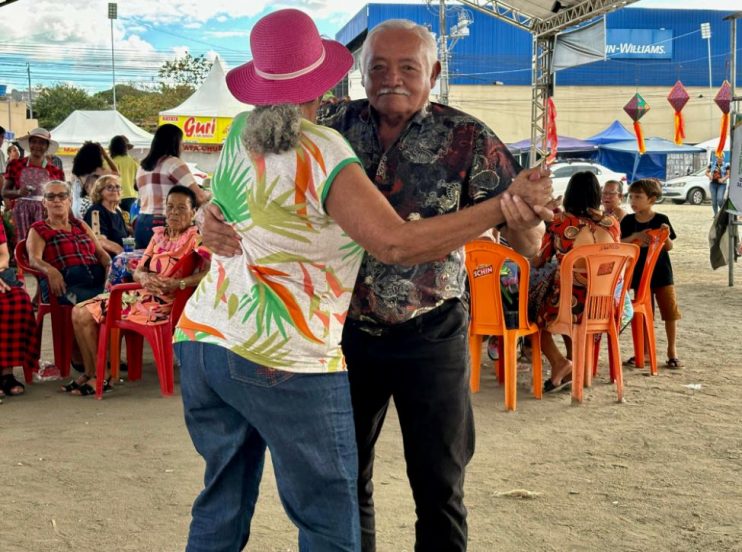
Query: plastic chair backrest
[[658, 237], [184, 267], [23, 262], [604, 265], [484, 260]]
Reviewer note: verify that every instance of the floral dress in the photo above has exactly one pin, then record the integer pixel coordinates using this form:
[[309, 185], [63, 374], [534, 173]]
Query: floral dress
[[559, 240], [162, 255]]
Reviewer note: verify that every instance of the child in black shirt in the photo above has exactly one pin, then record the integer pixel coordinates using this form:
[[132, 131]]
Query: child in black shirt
[[642, 196]]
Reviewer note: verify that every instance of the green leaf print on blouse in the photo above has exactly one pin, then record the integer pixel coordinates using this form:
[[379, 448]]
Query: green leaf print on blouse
[[232, 176]]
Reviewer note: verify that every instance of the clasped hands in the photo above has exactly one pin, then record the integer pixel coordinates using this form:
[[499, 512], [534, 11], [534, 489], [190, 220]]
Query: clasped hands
[[528, 201], [156, 284]]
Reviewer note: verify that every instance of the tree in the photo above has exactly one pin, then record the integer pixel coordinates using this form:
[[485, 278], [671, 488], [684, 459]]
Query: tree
[[55, 103], [185, 70], [144, 108]]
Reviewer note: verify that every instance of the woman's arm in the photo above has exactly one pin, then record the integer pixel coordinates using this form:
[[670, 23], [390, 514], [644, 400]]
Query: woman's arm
[[4, 256], [35, 245], [109, 161], [370, 220]]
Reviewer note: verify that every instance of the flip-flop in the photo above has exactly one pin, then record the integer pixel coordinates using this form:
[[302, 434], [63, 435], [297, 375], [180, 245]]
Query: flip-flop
[[674, 363], [550, 387]]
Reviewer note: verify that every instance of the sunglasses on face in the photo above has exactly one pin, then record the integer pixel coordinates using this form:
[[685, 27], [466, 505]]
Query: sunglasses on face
[[112, 188], [61, 196]]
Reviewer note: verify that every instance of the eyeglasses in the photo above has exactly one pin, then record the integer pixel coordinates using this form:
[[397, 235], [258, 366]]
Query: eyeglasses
[[61, 196], [609, 193], [112, 188]]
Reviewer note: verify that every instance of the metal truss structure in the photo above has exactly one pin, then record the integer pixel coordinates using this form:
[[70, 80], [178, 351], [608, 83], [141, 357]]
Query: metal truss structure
[[543, 19]]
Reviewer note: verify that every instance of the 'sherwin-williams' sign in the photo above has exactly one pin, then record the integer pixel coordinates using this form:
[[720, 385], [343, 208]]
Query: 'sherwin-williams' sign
[[638, 43]]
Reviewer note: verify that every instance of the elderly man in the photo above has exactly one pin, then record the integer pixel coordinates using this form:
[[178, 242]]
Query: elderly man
[[406, 333]]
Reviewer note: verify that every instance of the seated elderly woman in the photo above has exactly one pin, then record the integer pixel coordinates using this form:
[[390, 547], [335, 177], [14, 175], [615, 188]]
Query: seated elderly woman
[[157, 273], [581, 223], [106, 195], [18, 343], [65, 249]]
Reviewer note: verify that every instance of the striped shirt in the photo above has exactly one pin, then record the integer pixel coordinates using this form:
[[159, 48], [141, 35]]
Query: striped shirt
[[155, 185]]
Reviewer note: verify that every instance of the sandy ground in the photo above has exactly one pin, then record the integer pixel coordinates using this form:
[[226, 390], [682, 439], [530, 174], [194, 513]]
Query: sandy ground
[[660, 472]]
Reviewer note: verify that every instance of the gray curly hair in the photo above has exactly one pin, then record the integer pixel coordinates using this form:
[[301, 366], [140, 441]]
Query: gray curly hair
[[272, 128]]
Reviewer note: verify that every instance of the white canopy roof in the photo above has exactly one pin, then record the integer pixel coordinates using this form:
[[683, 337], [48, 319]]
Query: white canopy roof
[[98, 126], [711, 145], [212, 99]]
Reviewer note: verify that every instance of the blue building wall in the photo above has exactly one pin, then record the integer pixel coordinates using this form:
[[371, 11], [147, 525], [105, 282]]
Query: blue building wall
[[497, 51]]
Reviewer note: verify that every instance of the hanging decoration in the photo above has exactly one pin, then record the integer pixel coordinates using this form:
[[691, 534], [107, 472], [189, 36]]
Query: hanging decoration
[[724, 100], [551, 131], [636, 108], [678, 97]]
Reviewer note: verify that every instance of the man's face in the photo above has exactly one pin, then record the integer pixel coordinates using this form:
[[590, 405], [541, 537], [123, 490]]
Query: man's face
[[398, 77], [610, 196]]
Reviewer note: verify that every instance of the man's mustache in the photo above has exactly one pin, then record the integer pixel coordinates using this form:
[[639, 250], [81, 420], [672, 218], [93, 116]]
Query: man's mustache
[[396, 90]]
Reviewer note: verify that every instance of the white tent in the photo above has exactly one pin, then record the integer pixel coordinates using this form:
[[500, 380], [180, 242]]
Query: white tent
[[711, 145], [212, 99], [97, 126]]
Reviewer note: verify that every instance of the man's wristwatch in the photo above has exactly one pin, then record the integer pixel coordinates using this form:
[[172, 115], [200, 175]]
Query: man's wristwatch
[[182, 285]]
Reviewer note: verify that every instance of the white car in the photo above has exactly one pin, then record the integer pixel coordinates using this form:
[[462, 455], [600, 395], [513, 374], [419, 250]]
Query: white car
[[562, 171], [693, 188]]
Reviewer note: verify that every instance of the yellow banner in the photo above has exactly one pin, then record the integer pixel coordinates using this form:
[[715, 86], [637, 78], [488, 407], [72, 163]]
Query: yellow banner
[[200, 130]]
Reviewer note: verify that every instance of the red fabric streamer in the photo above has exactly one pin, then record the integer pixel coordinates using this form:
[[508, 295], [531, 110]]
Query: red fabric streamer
[[639, 137], [551, 131], [723, 135], [679, 128]]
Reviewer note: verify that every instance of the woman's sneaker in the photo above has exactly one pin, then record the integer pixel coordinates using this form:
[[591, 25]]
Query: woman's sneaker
[[492, 351]]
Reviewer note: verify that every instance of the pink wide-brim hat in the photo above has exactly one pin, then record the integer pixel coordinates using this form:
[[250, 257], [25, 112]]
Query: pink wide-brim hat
[[291, 62]]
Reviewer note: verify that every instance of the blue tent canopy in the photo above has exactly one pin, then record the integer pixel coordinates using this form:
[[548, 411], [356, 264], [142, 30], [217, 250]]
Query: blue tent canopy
[[624, 157], [614, 133], [566, 144]]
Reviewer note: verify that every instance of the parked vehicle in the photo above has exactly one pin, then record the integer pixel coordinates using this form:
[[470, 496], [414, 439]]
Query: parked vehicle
[[692, 188], [561, 172]]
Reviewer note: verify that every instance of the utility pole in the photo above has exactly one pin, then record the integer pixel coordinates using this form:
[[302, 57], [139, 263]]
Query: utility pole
[[113, 14], [443, 97], [30, 93]]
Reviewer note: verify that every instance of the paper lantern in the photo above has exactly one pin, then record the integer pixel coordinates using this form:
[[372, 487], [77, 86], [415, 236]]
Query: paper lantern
[[636, 108], [724, 100], [551, 131], [678, 97]]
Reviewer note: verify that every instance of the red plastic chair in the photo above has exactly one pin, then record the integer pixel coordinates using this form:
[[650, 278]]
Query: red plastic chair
[[63, 335], [159, 336], [642, 324], [484, 260], [603, 266]]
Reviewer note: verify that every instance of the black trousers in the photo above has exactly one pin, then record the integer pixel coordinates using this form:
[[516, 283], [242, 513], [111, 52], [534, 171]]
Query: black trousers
[[424, 365]]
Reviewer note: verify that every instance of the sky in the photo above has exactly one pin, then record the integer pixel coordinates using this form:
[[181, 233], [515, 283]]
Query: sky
[[69, 41]]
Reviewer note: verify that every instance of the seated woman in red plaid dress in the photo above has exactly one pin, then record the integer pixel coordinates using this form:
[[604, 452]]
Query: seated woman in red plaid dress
[[18, 343]]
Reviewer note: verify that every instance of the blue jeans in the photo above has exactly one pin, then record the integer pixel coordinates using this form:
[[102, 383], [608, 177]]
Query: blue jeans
[[143, 228], [234, 409], [717, 190]]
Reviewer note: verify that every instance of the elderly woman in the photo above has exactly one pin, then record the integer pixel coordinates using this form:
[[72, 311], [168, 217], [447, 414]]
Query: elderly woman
[[25, 179], [581, 223], [269, 320], [159, 171], [18, 343], [112, 228], [157, 272], [65, 249], [87, 167]]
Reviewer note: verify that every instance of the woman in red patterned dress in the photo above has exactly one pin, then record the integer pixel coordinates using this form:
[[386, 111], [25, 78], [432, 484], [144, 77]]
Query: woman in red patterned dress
[[18, 343], [581, 223]]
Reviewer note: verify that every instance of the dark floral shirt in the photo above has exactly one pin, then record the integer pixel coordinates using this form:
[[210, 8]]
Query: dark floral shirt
[[443, 160]]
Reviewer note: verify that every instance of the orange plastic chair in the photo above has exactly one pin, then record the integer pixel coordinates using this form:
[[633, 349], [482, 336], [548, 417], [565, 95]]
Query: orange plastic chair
[[63, 335], [159, 336], [642, 324], [484, 259], [603, 266]]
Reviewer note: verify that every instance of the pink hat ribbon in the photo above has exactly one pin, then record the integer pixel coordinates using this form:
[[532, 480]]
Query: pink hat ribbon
[[288, 76]]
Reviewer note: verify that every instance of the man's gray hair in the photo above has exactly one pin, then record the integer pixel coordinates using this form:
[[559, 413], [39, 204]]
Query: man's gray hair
[[429, 46], [51, 183], [272, 129]]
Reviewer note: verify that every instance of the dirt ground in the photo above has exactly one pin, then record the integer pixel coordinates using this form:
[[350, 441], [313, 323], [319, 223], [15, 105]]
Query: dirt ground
[[659, 472]]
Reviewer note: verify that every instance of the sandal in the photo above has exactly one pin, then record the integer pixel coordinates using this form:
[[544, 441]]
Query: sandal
[[8, 383], [75, 384], [86, 389], [551, 387], [674, 363]]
